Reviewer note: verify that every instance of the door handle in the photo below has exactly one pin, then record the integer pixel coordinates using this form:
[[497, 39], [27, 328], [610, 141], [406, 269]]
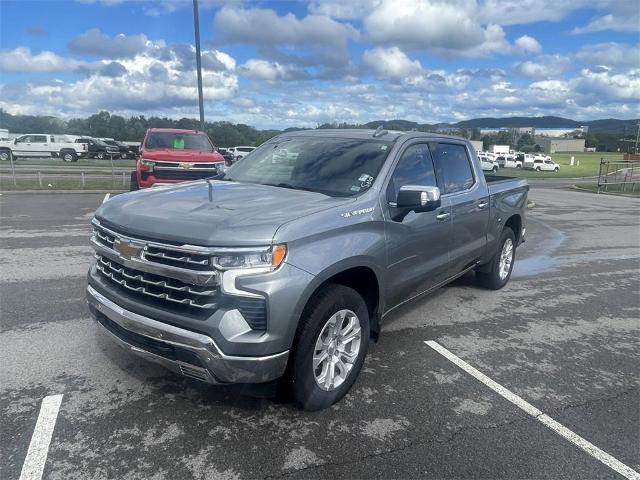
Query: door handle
[[483, 204], [442, 216]]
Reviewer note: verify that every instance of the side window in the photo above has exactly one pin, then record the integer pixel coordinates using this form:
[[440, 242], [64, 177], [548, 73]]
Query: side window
[[454, 168], [25, 139], [39, 139], [414, 168]]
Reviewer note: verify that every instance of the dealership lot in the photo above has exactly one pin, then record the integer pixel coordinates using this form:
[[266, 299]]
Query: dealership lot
[[564, 335]]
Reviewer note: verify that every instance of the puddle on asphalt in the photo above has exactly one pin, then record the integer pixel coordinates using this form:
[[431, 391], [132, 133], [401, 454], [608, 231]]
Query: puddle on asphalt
[[551, 240]]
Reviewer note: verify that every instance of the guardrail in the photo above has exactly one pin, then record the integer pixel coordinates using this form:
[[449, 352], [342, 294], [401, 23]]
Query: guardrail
[[618, 176], [58, 176]]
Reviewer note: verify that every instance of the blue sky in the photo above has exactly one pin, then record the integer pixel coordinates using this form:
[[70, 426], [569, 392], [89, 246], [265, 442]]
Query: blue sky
[[281, 64]]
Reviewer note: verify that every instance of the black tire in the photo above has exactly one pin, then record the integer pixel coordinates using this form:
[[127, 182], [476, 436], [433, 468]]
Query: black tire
[[300, 378], [100, 155], [556, 169], [69, 156], [537, 169], [494, 169], [518, 165], [489, 276], [133, 184], [5, 155]]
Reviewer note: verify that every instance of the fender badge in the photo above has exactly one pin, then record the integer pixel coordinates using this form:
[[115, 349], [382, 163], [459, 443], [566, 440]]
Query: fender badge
[[353, 213]]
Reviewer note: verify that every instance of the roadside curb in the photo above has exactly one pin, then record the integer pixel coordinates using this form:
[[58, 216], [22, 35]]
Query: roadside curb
[[45, 192]]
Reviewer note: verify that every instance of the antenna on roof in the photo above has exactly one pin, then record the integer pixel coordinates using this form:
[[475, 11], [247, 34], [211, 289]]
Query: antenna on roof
[[379, 132]]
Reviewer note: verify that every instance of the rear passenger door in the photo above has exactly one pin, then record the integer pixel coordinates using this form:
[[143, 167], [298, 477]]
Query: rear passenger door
[[469, 199]]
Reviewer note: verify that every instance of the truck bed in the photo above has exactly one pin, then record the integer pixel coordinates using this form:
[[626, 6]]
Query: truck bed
[[498, 183]]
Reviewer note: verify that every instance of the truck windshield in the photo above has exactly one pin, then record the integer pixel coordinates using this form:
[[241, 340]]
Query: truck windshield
[[332, 166], [179, 141]]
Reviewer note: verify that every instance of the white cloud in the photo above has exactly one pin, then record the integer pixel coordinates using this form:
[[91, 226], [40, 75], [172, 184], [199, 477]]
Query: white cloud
[[20, 59], [611, 54], [621, 16], [95, 43], [391, 63], [258, 26], [528, 44], [544, 66], [264, 70], [445, 28]]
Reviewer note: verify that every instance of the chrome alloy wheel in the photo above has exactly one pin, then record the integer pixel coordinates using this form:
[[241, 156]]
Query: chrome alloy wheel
[[506, 258], [336, 349]]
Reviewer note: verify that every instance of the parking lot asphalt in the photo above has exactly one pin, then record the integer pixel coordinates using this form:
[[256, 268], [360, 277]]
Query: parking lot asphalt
[[564, 335]]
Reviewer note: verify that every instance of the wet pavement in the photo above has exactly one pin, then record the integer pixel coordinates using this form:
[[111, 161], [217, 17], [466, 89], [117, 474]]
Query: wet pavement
[[563, 335]]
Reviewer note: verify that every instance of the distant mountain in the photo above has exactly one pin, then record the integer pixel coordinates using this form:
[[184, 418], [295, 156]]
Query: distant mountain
[[607, 125]]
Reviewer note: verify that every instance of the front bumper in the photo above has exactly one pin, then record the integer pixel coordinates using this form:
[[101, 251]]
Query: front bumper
[[191, 354]]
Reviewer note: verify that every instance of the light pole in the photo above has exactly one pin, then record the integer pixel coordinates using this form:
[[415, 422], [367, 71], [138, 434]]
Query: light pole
[[196, 26], [637, 137]]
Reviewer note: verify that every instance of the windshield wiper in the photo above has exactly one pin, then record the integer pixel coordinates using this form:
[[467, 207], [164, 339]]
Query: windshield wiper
[[292, 187]]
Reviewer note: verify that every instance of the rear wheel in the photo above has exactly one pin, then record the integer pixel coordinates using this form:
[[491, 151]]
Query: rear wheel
[[501, 265], [537, 169], [556, 169], [100, 155], [330, 347], [69, 156], [494, 169], [518, 165]]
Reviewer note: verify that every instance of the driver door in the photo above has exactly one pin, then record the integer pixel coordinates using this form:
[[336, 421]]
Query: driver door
[[417, 242]]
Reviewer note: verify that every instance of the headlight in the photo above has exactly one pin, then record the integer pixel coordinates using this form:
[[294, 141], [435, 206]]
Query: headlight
[[147, 162], [266, 257]]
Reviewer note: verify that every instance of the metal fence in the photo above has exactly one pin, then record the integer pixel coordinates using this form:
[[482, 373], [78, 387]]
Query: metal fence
[[53, 174], [618, 176]]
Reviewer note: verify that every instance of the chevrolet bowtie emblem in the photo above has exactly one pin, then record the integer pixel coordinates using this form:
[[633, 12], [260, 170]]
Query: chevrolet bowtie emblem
[[186, 165], [126, 249]]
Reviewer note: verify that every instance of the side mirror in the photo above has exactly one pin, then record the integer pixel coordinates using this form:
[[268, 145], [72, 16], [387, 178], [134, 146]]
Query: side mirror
[[418, 198], [15, 142]]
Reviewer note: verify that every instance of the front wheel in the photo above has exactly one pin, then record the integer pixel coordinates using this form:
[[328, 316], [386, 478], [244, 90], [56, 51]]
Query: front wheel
[[537, 169], [330, 347], [5, 155], [133, 184], [518, 166], [556, 169], [501, 265], [100, 155], [494, 169]]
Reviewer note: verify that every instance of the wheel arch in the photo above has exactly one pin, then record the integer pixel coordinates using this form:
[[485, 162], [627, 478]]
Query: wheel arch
[[362, 277], [514, 222]]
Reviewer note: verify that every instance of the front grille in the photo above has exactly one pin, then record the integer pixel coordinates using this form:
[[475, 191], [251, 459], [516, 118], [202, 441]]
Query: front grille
[[157, 287], [192, 174], [162, 254]]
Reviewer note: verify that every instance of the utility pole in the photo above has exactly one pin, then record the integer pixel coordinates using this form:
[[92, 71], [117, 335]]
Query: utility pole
[[637, 137], [196, 26]]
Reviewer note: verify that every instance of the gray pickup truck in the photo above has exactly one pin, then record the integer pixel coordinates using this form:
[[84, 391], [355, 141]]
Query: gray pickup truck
[[285, 266]]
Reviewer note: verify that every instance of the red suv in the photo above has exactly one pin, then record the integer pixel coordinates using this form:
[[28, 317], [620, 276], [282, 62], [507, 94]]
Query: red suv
[[169, 155]]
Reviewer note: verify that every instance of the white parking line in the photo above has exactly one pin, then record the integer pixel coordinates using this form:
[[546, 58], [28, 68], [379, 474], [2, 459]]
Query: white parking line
[[39, 447], [106, 197], [561, 430]]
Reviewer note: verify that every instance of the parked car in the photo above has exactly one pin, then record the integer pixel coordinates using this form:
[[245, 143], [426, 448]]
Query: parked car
[[284, 271], [170, 155], [99, 149], [488, 164], [527, 161], [229, 158], [241, 152], [42, 145], [509, 161], [123, 149], [545, 165]]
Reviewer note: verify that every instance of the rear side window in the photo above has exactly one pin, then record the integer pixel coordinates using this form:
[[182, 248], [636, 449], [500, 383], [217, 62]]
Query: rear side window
[[414, 168], [454, 168]]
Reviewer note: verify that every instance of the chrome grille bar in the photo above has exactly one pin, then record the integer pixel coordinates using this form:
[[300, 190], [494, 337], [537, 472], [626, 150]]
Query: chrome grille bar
[[140, 282]]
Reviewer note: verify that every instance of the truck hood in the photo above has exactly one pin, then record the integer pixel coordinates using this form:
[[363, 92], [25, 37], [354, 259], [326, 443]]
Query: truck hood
[[181, 155], [220, 214]]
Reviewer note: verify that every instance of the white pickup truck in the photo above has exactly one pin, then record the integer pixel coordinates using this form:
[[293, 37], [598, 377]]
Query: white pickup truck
[[43, 145]]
